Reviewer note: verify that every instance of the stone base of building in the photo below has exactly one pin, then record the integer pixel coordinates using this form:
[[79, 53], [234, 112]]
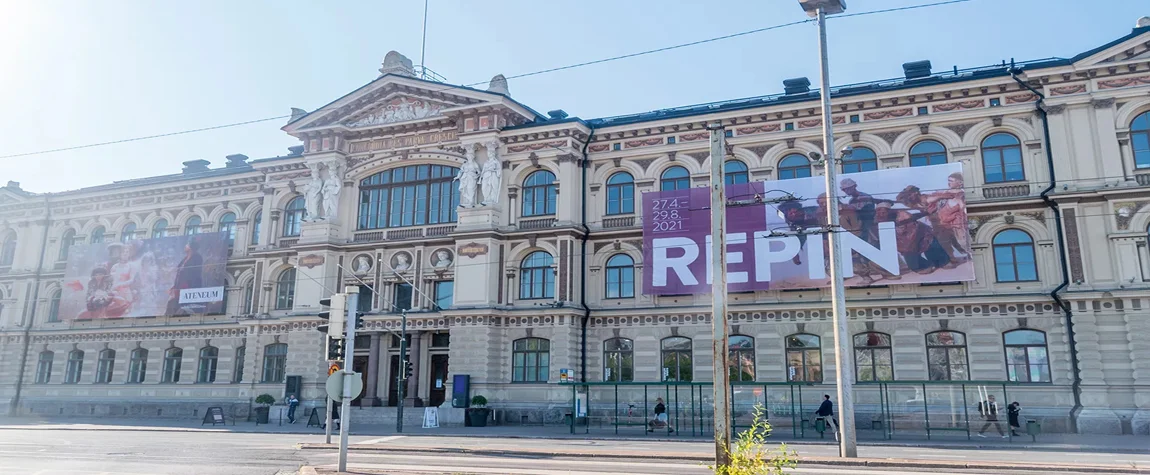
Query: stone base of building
[[1140, 423], [158, 409], [1098, 421]]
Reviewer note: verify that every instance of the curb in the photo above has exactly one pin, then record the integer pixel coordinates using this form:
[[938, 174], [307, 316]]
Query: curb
[[306, 470], [809, 461]]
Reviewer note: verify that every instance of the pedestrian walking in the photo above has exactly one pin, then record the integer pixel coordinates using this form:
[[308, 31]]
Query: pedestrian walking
[[661, 420], [293, 403], [334, 418], [988, 409], [1012, 413], [826, 412]]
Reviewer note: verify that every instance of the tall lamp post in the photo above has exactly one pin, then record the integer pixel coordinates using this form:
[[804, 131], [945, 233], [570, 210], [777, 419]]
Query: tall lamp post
[[819, 9]]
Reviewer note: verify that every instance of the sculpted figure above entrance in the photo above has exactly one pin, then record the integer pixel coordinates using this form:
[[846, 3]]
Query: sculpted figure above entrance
[[399, 110]]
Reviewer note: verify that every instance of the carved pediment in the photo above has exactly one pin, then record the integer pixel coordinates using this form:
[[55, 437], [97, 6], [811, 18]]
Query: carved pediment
[[399, 108]]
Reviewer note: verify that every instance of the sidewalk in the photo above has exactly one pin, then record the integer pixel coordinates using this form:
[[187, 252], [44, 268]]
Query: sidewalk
[[1058, 442]]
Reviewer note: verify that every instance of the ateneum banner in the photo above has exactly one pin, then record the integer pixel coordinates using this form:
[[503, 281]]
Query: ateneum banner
[[172, 276], [898, 226]]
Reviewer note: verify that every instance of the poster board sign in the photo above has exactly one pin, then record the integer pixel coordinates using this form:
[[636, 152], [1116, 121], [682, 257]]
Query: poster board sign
[[430, 417], [214, 416], [165, 276], [896, 226]]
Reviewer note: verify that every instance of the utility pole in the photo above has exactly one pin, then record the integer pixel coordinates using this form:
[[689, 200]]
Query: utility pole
[[348, 355], [844, 362], [719, 342], [402, 376]]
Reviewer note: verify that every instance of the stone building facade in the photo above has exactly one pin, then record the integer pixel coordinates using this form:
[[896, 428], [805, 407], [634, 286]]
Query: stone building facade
[[542, 275]]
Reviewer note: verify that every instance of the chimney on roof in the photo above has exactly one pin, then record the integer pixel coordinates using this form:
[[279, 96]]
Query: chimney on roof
[[916, 69], [397, 64], [13, 185], [498, 85], [196, 166], [796, 86], [238, 160], [295, 150], [557, 114]]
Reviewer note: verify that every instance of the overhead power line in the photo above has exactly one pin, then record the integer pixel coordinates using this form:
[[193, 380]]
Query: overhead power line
[[515, 76]]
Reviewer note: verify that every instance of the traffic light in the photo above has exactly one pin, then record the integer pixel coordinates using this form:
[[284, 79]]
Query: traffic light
[[336, 315], [406, 369], [334, 349], [358, 320]]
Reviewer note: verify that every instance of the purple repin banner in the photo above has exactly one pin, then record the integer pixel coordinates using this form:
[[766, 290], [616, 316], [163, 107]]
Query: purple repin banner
[[903, 225]]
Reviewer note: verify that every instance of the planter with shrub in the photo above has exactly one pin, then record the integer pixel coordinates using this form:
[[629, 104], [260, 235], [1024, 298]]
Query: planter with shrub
[[478, 413], [265, 401]]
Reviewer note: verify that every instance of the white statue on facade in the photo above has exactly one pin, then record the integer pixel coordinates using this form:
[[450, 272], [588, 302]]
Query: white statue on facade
[[312, 192], [332, 186], [492, 174], [468, 178]]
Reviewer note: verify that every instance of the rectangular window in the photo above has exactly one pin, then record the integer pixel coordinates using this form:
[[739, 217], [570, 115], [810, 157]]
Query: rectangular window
[[44, 367], [402, 300], [922, 111], [854, 118], [440, 340], [366, 295], [238, 372], [444, 294], [789, 126]]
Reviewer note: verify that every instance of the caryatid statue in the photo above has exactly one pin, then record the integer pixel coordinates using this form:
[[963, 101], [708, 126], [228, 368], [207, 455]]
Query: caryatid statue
[[312, 191], [468, 178], [492, 174], [332, 186]]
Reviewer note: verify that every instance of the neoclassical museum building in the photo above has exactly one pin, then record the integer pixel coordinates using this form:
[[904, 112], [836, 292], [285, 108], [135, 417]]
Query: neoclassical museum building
[[540, 273]]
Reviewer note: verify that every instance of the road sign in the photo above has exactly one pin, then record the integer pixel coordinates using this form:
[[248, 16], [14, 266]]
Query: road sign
[[334, 385], [333, 368]]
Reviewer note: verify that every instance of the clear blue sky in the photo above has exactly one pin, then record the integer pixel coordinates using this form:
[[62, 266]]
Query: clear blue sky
[[77, 72]]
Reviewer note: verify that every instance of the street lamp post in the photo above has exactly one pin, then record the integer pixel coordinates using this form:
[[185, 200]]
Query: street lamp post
[[844, 369]]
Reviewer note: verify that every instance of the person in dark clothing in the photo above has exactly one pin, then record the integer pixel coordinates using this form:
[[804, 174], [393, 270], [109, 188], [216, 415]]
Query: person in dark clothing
[[293, 403], [660, 419], [334, 418], [826, 412], [1012, 413], [988, 409], [189, 275]]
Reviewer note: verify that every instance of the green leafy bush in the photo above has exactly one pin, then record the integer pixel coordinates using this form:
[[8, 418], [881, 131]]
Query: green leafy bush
[[752, 456], [479, 401], [265, 399]]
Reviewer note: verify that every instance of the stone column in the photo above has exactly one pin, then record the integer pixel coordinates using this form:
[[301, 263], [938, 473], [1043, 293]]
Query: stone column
[[370, 397], [413, 352], [266, 217]]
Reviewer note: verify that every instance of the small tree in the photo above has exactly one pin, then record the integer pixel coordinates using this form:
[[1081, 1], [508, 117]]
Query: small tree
[[752, 456], [265, 399], [479, 401]]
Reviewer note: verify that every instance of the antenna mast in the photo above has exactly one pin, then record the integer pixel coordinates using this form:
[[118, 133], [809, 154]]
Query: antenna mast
[[423, 48]]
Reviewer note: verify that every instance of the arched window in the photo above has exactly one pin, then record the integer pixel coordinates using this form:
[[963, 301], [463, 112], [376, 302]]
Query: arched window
[[873, 360], [927, 152], [946, 356], [285, 290], [675, 178], [160, 229], [228, 225], [128, 233], [536, 278], [275, 363], [530, 360], [294, 214], [861, 159], [44, 367], [1140, 140], [794, 166], [804, 358], [192, 226], [735, 172], [621, 194], [741, 358], [619, 360], [1002, 158], [676, 359], [539, 194], [620, 277], [8, 249], [97, 236], [75, 367], [1014, 257], [138, 365], [54, 307], [238, 365], [255, 232], [413, 195], [206, 369], [173, 362], [105, 361], [1026, 356], [66, 241]]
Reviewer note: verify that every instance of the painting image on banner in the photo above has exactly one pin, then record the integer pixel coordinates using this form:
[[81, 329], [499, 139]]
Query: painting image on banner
[[896, 226], [168, 276]]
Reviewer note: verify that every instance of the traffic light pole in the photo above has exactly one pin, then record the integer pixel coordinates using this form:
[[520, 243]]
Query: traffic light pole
[[402, 376], [348, 355]]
